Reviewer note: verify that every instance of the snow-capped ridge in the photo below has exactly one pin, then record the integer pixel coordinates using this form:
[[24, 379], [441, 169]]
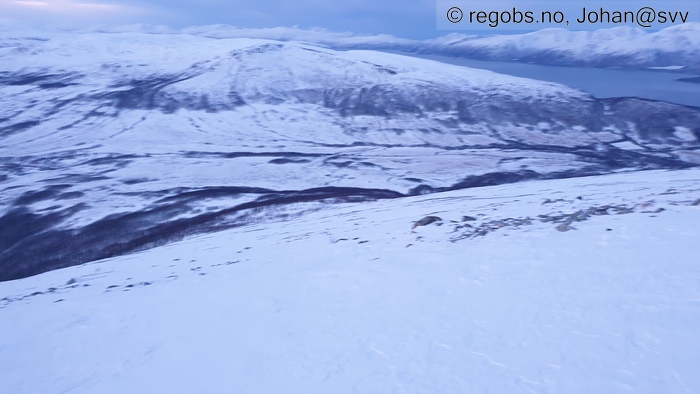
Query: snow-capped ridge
[[624, 46]]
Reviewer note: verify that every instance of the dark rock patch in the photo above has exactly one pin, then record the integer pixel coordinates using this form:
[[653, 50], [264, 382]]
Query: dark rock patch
[[426, 221]]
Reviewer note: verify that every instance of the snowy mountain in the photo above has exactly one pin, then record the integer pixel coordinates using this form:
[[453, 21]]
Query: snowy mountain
[[504, 296], [117, 142], [620, 47], [677, 46]]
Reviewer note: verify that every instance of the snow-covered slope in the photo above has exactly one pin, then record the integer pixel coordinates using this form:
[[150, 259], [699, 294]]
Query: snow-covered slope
[[621, 47], [111, 143], [625, 47], [503, 297]]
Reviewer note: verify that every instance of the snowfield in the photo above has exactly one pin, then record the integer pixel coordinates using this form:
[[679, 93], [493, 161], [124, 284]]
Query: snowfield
[[582, 285]]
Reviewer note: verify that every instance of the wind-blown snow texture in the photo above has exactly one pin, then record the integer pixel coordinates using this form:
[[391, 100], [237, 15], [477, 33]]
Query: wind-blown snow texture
[[345, 299], [112, 143]]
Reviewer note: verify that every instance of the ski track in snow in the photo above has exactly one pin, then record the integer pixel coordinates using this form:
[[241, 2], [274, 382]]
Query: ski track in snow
[[346, 299]]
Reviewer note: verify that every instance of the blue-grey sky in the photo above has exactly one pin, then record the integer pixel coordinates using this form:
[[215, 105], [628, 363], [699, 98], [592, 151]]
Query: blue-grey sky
[[415, 19], [401, 18]]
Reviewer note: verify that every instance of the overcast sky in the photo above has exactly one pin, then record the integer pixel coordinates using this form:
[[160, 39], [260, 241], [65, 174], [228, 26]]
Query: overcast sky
[[402, 18], [415, 19]]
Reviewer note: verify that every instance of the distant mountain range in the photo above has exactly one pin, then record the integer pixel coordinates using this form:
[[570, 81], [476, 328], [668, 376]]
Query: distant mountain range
[[676, 47]]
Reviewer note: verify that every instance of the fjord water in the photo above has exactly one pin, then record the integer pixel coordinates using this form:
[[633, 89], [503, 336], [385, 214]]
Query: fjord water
[[664, 85]]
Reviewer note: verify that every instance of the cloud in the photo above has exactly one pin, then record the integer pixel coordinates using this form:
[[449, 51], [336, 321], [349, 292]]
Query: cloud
[[409, 18], [66, 7], [72, 12]]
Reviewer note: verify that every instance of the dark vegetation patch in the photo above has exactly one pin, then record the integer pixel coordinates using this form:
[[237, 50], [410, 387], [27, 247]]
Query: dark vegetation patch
[[70, 195], [31, 244], [134, 181], [17, 127], [46, 193], [602, 160], [55, 85], [374, 100], [112, 159], [235, 155], [42, 80], [78, 178], [149, 94], [691, 79], [339, 164], [654, 120], [495, 178], [288, 161], [185, 195], [20, 224]]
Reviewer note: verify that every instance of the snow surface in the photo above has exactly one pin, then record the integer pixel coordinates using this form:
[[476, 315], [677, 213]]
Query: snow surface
[[627, 47], [346, 299]]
